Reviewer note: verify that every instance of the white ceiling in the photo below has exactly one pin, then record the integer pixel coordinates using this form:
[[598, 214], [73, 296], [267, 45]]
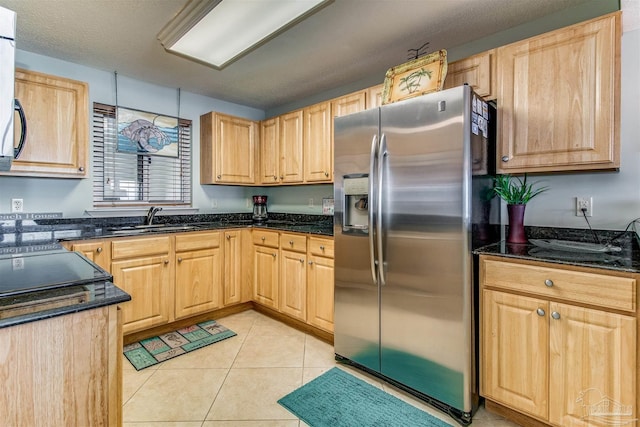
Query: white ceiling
[[339, 45]]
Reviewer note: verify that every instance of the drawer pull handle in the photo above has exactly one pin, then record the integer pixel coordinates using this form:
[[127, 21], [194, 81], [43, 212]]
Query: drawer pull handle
[[548, 282], [321, 248], [540, 312], [310, 262], [275, 178], [263, 238], [555, 315], [291, 242], [301, 260], [99, 250], [228, 236], [274, 255], [166, 261]]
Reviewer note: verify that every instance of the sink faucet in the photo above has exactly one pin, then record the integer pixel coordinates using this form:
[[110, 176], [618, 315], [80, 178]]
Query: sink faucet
[[153, 210]]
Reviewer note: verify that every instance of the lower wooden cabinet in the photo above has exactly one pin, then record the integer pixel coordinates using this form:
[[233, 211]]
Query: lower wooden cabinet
[[232, 284], [320, 283], [559, 361], [97, 251], [265, 268], [63, 371], [141, 267], [198, 273], [293, 275]]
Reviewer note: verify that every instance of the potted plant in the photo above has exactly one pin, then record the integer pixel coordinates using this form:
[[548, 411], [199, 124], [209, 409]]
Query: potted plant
[[516, 192]]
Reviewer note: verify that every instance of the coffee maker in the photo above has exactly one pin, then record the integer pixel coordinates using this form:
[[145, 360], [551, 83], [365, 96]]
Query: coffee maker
[[259, 208]]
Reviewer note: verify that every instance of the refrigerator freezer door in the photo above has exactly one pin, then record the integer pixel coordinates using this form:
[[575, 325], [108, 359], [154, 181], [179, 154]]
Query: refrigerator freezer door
[[425, 309], [356, 315], [7, 74]]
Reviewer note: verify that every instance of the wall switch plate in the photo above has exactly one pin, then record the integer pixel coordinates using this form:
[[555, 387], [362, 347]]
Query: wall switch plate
[[17, 205], [584, 203]]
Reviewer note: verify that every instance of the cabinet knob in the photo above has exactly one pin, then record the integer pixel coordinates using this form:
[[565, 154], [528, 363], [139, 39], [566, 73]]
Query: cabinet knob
[[310, 262], [263, 238], [275, 177], [228, 236], [301, 261], [291, 242], [219, 176], [99, 250], [81, 168], [179, 260], [281, 176], [274, 255], [555, 315], [326, 174], [548, 282], [321, 247], [505, 159], [540, 312], [166, 261]]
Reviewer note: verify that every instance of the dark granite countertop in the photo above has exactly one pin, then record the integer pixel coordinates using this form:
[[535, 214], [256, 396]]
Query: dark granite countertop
[[627, 260]]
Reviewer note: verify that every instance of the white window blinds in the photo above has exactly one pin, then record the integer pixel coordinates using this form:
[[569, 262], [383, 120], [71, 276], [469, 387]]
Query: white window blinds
[[134, 179]]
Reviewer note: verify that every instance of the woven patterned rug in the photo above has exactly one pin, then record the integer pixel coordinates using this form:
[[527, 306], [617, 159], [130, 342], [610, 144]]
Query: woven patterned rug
[[154, 350], [338, 399]]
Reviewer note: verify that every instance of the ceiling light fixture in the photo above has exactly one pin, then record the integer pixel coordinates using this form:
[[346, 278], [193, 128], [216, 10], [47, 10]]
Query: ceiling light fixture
[[218, 32]]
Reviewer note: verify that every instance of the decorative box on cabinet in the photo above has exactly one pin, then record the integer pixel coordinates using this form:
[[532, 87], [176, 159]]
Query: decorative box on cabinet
[[228, 149], [57, 115], [559, 99], [557, 341]]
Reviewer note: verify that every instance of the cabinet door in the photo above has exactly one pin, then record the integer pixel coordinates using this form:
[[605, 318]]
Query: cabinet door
[[198, 281], [559, 97], [592, 367], [232, 289], [374, 96], [318, 149], [514, 359], [293, 284], [57, 117], [478, 71], [270, 151], [265, 276], [98, 252], [236, 142], [291, 147], [320, 283], [348, 104], [147, 280]]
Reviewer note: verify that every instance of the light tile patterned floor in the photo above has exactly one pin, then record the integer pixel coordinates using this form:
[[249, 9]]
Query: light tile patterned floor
[[237, 382]]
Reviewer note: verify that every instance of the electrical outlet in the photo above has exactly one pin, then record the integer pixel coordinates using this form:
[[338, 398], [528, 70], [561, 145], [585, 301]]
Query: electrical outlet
[[214, 203], [584, 203], [310, 203], [17, 205], [248, 202]]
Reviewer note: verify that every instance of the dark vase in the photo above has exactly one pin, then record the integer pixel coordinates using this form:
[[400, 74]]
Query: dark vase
[[516, 224]]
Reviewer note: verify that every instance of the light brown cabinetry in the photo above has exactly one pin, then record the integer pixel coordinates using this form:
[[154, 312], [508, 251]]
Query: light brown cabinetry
[[318, 146], [320, 283], [374, 96], [291, 148], [349, 104], [559, 99], [293, 275], [97, 251], [232, 288], [57, 118], [228, 149], [265, 268], [558, 341], [63, 371], [198, 273], [141, 267], [478, 71]]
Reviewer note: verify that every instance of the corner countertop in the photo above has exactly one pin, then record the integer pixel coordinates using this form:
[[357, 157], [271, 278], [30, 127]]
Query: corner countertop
[[627, 260]]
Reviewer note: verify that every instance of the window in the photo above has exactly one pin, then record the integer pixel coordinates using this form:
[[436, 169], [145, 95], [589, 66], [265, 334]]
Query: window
[[130, 179]]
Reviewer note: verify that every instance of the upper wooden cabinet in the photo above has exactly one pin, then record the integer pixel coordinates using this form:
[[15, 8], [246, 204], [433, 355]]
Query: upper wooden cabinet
[[318, 146], [478, 71], [559, 99], [228, 149], [349, 104], [374, 96], [57, 119], [281, 148]]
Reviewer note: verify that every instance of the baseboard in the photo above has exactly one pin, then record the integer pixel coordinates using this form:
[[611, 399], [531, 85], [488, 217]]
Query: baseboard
[[511, 415], [294, 323]]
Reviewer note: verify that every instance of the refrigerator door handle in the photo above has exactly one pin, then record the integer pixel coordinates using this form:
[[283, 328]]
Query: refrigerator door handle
[[372, 172], [382, 154]]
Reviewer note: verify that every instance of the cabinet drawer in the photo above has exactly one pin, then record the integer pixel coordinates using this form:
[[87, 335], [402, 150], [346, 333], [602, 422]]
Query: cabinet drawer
[[195, 241], [321, 247], [130, 248], [588, 288], [265, 238], [293, 242]]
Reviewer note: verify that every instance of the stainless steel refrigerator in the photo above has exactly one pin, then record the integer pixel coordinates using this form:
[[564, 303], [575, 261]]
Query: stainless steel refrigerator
[[413, 196]]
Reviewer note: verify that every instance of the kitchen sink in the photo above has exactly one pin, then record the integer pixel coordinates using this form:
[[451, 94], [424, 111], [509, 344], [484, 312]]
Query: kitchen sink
[[155, 228]]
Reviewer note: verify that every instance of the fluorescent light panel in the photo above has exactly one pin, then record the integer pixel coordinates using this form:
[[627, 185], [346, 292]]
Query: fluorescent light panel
[[234, 27]]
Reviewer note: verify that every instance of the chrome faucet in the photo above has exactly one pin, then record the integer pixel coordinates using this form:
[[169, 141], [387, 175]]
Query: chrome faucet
[[153, 210]]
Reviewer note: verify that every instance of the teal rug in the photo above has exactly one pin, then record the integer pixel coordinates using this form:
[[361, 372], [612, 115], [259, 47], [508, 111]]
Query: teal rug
[[338, 399], [151, 351]]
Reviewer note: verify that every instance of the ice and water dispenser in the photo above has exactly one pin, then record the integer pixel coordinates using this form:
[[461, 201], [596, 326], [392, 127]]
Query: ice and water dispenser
[[356, 204]]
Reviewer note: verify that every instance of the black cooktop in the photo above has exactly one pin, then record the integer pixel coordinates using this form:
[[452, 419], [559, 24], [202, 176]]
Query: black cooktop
[[48, 270]]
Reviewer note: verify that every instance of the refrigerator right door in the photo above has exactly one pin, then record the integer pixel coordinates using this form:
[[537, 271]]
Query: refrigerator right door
[[423, 192]]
